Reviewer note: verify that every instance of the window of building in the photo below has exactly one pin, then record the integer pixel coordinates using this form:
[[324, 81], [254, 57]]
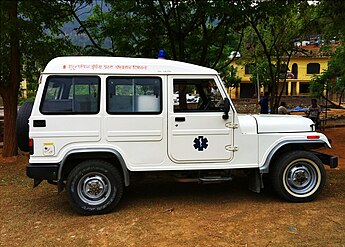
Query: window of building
[[247, 90], [313, 68], [134, 95], [304, 88], [295, 70], [197, 95], [71, 95]]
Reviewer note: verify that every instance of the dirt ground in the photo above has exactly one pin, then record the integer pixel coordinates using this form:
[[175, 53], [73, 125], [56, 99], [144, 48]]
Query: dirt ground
[[174, 214]]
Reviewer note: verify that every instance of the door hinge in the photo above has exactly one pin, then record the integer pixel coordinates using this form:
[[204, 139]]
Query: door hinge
[[231, 125], [231, 148]]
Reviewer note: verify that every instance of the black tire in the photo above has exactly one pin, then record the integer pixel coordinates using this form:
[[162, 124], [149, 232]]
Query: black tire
[[298, 176], [22, 126], [94, 187]]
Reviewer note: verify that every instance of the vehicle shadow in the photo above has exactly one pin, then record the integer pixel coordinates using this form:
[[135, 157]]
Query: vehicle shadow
[[168, 191]]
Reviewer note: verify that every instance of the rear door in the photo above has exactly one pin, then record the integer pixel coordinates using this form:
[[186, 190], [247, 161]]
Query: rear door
[[68, 114], [197, 131]]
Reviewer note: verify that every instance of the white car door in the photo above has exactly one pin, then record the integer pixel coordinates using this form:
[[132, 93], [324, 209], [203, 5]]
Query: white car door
[[197, 131]]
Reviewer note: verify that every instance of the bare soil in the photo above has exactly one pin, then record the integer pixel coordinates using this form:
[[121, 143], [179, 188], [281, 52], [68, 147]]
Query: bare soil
[[166, 213]]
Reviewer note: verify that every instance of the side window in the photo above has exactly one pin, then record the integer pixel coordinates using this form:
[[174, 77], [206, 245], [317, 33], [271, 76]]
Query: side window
[[71, 95], [197, 95], [134, 95]]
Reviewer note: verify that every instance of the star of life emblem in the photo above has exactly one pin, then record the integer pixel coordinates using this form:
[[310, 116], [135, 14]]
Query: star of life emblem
[[200, 143]]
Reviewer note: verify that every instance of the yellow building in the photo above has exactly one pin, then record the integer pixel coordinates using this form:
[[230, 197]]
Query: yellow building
[[301, 71]]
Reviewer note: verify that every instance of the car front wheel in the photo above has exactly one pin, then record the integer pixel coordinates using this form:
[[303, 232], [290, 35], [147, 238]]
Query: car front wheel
[[299, 176]]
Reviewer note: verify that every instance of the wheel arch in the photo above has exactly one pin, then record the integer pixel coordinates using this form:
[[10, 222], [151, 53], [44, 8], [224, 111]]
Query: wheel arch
[[286, 146], [76, 156]]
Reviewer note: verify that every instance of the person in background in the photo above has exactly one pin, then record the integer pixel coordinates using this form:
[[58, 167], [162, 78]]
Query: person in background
[[282, 109], [314, 112], [264, 103]]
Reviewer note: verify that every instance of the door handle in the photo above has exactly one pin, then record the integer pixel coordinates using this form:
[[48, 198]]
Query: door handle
[[180, 119]]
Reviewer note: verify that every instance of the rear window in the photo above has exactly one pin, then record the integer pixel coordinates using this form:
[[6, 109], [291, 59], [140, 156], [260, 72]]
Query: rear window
[[71, 95]]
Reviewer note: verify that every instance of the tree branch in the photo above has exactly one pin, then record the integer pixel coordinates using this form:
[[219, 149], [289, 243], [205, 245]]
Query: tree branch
[[237, 49], [89, 34], [170, 31]]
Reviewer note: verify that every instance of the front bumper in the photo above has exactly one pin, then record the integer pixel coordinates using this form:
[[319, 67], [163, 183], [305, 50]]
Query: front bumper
[[331, 161], [42, 171]]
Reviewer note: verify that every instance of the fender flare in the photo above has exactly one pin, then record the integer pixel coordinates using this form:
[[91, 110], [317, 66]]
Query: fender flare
[[96, 150], [265, 167]]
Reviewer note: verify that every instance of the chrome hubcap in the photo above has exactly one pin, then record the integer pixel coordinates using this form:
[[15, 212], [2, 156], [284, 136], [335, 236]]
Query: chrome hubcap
[[94, 188], [301, 177]]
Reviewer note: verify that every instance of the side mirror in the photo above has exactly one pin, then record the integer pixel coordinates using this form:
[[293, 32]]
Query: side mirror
[[226, 108]]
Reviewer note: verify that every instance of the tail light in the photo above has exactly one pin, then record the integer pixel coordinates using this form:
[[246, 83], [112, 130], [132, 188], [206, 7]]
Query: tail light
[[31, 146]]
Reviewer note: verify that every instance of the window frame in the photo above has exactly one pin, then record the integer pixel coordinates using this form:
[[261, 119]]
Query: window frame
[[136, 112], [202, 94], [98, 101]]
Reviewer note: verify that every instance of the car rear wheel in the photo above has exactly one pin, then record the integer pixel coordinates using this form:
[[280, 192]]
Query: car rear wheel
[[94, 187]]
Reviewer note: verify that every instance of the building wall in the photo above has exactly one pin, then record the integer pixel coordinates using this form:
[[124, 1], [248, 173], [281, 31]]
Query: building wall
[[295, 87]]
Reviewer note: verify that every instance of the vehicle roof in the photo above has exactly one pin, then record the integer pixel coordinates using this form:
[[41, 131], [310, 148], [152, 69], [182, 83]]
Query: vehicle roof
[[122, 65]]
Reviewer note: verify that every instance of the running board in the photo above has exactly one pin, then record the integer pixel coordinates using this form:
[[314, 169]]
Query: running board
[[215, 179]]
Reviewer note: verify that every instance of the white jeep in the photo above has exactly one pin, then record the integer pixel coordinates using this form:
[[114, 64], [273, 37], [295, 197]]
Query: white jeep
[[96, 121]]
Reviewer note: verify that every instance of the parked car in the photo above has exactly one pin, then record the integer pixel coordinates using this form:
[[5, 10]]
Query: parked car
[[97, 121]]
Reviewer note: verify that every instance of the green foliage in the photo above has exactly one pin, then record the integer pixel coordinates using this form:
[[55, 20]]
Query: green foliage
[[339, 85], [336, 67], [39, 35], [200, 32], [332, 18], [230, 78], [273, 27], [260, 70], [317, 86], [337, 62], [332, 79]]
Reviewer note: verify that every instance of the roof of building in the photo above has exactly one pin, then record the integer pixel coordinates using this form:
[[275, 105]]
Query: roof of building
[[122, 65]]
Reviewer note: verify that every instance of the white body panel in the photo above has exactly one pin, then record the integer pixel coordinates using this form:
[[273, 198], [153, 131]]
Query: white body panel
[[268, 123], [122, 65]]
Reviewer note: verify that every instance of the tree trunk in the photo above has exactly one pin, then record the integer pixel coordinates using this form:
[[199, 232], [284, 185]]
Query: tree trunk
[[341, 97], [9, 91], [10, 116]]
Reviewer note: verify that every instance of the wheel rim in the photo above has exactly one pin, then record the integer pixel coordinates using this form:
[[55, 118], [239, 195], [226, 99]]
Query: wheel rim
[[302, 177], [94, 188]]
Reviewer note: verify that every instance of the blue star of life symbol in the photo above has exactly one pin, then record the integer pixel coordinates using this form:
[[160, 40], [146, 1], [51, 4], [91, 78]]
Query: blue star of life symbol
[[200, 143]]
